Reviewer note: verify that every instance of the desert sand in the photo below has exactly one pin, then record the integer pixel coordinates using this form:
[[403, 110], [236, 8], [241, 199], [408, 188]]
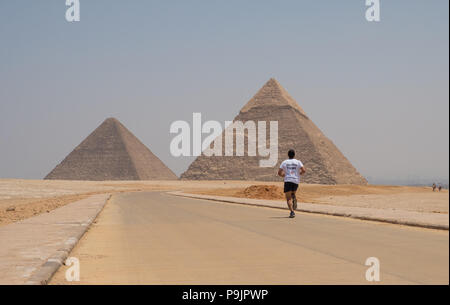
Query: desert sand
[[419, 199], [21, 199]]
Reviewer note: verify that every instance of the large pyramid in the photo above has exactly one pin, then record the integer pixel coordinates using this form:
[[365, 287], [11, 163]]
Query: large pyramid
[[111, 152], [323, 160]]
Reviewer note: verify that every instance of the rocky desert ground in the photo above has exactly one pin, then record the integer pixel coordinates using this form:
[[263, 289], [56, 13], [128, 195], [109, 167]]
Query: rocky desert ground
[[21, 199]]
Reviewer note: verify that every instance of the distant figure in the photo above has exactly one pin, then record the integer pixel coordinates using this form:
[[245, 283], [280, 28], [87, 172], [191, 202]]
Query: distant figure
[[291, 170], [440, 187], [434, 187]]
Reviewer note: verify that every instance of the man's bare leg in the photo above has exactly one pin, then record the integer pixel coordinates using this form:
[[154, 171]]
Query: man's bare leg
[[294, 200], [289, 201]]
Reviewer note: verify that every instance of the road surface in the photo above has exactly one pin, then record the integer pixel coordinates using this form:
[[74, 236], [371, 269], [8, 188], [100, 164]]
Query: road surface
[[156, 238]]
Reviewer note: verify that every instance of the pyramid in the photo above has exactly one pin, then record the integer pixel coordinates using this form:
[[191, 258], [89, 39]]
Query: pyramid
[[324, 162], [111, 152]]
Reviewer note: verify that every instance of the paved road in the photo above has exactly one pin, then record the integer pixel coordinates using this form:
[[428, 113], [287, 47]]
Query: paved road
[[155, 238]]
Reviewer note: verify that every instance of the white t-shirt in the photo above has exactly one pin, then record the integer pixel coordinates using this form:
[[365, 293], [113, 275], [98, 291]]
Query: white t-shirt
[[291, 168]]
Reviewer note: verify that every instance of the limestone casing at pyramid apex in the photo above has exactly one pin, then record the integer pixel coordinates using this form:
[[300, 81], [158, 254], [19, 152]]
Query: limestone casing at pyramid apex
[[272, 94], [112, 120]]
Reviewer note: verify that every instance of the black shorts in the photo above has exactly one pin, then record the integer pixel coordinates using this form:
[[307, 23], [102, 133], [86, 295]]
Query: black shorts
[[290, 187]]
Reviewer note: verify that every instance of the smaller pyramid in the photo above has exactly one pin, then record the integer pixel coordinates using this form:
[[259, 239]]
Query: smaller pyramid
[[111, 152]]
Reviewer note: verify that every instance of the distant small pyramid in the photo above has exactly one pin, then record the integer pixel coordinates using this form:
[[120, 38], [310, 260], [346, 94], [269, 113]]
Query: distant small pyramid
[[324, 162], [111, 152]]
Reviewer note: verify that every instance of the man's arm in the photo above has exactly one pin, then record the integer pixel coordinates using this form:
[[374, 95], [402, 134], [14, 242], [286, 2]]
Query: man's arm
[[281, 172], [302, 171]]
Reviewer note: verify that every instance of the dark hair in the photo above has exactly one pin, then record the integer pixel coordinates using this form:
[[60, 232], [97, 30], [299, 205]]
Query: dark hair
[[291, 154]]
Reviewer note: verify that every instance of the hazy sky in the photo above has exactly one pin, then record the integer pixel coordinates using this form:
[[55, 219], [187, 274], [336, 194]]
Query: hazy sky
[[380, 91]]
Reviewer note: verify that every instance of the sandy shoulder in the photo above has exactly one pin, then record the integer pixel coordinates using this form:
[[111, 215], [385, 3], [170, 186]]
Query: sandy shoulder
[[418, 199]]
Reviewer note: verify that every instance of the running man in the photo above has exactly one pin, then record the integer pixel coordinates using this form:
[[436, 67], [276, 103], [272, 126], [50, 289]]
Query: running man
[[291, 170]]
